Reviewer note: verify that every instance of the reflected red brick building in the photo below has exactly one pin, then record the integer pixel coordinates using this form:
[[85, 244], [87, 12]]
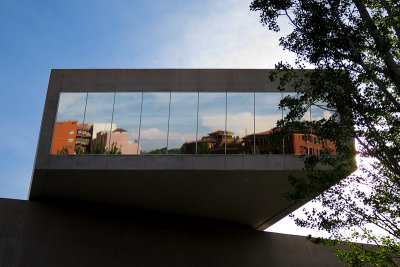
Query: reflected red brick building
[[64, 137], [295, 144], [70, 137]]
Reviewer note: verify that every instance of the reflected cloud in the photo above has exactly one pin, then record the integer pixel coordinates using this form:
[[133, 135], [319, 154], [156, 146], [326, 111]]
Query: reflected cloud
[[327, 114], [240, 124], [71, 106], [157, 134]]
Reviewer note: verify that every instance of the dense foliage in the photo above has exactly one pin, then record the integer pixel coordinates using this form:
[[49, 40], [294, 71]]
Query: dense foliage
[[354, 46]]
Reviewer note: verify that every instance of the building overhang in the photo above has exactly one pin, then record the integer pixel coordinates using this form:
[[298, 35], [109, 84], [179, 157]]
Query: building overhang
[[245, 189]]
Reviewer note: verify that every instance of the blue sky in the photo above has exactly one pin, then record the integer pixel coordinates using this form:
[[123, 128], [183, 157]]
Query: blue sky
[[39, 35]]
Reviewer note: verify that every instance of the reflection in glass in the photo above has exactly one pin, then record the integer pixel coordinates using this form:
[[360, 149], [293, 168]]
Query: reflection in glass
[[320, 111], [183, 123], [211, 125], [125, 132], [154, 124], [97, 127], [285, 111], [267, 114], [240, 123], [71, 109]]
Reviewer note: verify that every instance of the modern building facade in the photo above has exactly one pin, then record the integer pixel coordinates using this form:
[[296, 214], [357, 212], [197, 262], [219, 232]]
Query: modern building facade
[[158, 205]]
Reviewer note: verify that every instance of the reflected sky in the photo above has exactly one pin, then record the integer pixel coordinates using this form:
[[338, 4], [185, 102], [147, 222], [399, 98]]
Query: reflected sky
[[267, 111], [211, 113], [71, 107], [183, 119], [240, 119], [154, 127], [127, 113], [319, 112], [99, 108]]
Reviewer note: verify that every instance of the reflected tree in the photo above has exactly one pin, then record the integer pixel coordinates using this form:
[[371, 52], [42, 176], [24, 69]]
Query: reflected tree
[[63, 151], [114, 149]]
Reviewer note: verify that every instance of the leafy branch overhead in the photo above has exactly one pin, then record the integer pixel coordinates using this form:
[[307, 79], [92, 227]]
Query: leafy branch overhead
[[354, 48]]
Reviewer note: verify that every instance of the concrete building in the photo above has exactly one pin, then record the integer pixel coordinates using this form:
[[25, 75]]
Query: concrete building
[[154, 210]]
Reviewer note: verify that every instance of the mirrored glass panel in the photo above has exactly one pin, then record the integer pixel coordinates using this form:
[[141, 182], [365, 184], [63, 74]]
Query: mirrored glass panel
[[70, 113], [284, 94], [183, 123], [320, 144], [320, 111], [126, 119], [290, 142], [240, 123], [94, 135], [154, 123], [211, 128], [267, 114]]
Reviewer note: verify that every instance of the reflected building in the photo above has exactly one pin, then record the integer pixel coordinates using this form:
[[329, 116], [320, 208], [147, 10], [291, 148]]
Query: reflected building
[[214, 143], [118, 144], [64, 138], [84, 135], [296, 143], [71, 138]]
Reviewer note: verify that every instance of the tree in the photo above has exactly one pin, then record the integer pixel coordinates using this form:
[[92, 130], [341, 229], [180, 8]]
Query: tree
[[63, 151], [354, 46]]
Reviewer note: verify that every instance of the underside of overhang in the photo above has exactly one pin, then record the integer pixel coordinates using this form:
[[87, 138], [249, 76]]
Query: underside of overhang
[[252, 198]]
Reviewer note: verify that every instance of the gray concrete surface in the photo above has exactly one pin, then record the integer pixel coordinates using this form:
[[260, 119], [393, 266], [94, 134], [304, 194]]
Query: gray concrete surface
[[57, 234]]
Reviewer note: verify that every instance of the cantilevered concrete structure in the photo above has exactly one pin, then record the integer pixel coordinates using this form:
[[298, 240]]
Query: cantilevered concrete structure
[[145, 210]]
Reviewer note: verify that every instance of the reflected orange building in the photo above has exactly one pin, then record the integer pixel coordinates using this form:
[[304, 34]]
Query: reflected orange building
[[70, 137], [64, 137], [295, 144]]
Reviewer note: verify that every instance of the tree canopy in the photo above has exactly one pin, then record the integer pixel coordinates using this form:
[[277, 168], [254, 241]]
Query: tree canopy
[[354, 48]]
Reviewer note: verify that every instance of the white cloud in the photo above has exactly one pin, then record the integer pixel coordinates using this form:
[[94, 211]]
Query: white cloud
[[211, 34], [156, 134], [327, 114], [240, 123]]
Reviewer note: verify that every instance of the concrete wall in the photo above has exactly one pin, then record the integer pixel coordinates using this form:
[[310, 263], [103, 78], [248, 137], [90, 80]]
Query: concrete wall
[[54, 234]]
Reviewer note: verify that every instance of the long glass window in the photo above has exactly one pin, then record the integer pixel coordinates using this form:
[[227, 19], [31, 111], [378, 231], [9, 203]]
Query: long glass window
[[171, 123]]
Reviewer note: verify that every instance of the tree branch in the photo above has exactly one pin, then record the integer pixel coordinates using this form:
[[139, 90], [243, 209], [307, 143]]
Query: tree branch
[[393, 70]]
